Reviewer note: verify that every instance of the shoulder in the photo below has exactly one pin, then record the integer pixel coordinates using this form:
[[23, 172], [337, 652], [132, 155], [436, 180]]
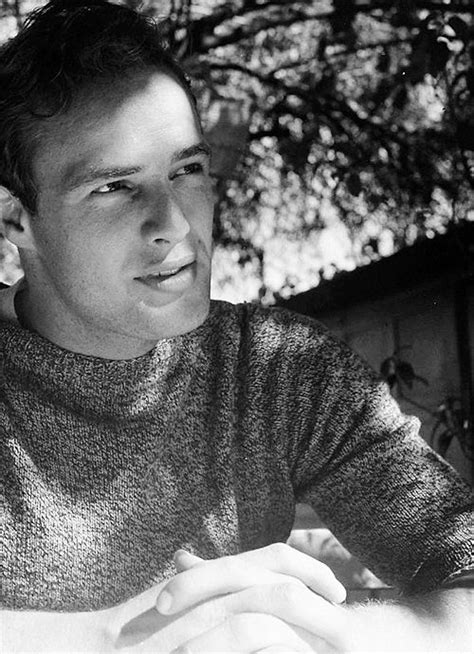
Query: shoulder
[[269, 325], [275, 333]]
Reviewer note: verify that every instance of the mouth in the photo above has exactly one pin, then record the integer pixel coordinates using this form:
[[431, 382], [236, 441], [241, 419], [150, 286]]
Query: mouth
[[175, 276]]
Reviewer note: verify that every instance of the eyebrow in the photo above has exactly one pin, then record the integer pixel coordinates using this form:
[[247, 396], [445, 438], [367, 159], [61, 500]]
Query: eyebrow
[[72, 179], [186, 153]]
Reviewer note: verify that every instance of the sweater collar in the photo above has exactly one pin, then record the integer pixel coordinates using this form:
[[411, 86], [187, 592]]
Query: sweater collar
[[114, 388]]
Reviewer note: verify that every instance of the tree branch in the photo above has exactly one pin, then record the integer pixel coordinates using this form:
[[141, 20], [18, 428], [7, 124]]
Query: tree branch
[[210, 42], [309, 98], [201, 31], [368, 46]]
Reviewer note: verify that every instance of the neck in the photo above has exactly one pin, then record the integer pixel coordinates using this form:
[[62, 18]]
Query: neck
[[56, 328]]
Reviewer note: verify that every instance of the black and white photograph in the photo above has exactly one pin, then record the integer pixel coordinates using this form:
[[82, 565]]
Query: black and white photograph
[[236, 326]]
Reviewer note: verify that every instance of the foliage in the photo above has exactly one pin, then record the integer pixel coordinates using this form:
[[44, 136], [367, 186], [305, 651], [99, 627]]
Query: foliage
[[354, 111], [395, 371], [361, 112], [450, 424], [449, 416]]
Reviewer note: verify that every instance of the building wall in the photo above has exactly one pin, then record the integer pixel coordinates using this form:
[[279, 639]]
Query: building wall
[[420, 324]]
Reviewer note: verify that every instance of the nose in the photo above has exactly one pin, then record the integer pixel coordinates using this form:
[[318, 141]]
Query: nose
[[168, 222]]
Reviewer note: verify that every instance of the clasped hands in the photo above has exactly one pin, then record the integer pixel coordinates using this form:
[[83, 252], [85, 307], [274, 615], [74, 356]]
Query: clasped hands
[[275, 599]]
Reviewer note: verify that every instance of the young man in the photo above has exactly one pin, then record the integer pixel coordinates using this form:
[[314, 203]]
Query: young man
[[138, 419]]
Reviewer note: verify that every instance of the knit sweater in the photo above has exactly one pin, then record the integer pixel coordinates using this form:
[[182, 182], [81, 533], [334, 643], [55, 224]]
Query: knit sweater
[[206, 442]]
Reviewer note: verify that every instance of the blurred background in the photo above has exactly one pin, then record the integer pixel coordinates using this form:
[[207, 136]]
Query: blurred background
[[343, 160]]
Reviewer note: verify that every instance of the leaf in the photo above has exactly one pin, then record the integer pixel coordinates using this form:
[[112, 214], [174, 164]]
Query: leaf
[[406, 373], [383, 62], [354, 185], [465, 132], [295, 153], [347, 148], [459, 26], [440, 54], [374, 200], [388, 371], [422, 380], [382, 92], [400, 98], [470, 76], [244, 257], [321, 49], [373, 244], [444, 442], [391, 380], [387, 367], [419, 58]]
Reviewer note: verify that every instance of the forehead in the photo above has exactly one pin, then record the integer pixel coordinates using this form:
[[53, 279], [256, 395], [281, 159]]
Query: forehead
[[135, 121]]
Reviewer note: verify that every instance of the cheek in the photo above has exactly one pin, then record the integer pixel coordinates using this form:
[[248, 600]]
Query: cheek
[[198, 205], [73, 245]]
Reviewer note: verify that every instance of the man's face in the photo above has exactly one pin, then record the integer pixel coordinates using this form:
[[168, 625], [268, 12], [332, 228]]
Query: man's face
[[122, 235]]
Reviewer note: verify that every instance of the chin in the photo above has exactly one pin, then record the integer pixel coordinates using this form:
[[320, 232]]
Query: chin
[[186, 315], [193, 322]]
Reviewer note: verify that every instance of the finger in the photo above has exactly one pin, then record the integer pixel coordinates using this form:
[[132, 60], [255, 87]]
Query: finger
[[153, 632], [283, 558], [157, 633], [295, 604], [132, 609], [246, 633], [209, 580], [273, 649], [233, 573], [184, 560]]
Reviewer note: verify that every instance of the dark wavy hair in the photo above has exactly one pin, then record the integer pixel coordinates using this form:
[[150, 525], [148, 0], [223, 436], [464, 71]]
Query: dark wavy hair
[[64, 46]]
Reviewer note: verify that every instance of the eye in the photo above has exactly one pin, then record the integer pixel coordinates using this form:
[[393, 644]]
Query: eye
[[111, 187], [190, 169]]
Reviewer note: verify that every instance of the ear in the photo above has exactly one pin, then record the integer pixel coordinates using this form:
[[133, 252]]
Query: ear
[[15, 220]]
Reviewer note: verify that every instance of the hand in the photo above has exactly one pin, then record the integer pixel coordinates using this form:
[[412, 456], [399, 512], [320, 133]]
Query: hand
[[206, 579], [272, 597]]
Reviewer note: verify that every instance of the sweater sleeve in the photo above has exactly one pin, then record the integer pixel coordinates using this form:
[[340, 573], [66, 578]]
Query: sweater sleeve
[[362, 465]]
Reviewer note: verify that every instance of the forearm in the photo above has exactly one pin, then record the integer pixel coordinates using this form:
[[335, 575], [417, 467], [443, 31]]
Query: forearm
[[39, 631], [437, 622], [56, 632]]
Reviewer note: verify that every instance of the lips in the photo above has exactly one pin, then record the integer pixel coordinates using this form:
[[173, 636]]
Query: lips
[[169, 269], [171, 278]]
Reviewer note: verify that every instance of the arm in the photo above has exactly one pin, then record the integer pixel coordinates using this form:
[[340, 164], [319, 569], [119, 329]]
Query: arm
[[42, 631], [53, 632], [441, 621], [383, 492], [233, 604], [395, 504]]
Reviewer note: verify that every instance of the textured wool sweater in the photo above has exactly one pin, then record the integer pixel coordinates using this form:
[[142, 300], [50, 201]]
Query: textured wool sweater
[[206, 442]]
